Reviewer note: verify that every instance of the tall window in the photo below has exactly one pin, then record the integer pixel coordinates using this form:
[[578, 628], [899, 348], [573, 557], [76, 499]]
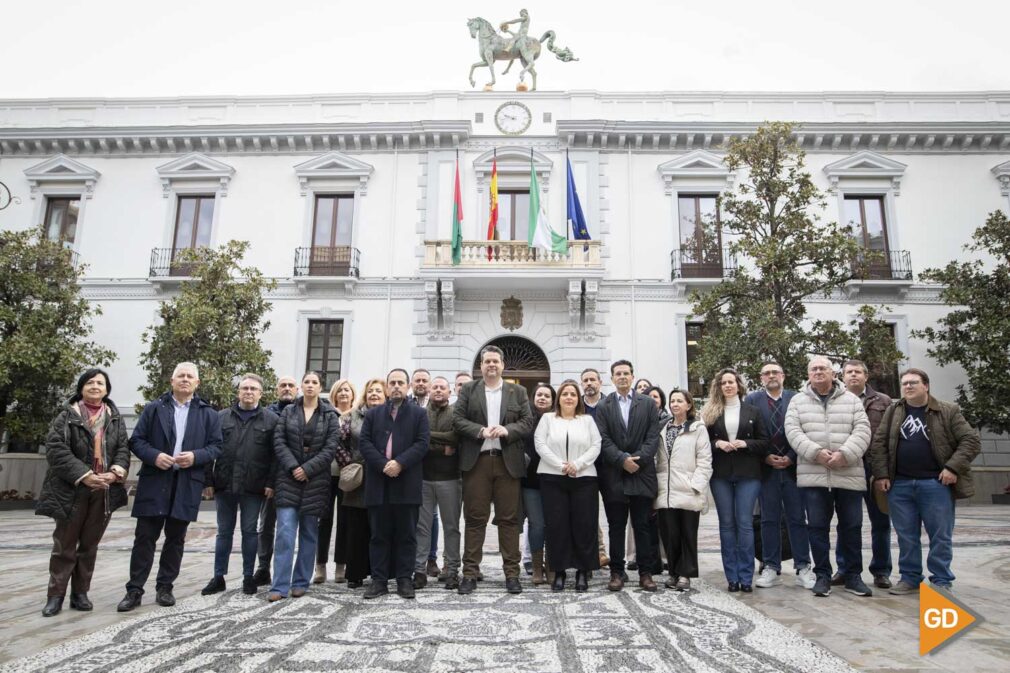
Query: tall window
[[865, 214], [326, 345], [61, 219], [700, 236], [694, 331], [331, 235], [514, 215], [192, 222]]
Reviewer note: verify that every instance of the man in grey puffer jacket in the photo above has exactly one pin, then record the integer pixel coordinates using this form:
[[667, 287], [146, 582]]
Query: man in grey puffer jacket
[[828, 428]]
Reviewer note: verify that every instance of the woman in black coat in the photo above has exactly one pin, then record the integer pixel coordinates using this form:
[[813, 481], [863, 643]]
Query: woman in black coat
[[739, 444], [89, 457], [533, 506], [305, 441]]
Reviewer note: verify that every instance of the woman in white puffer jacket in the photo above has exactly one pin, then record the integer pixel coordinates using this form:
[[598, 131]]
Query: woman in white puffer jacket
[[683, 468]]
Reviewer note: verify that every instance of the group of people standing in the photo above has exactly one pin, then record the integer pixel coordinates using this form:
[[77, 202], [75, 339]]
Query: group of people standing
[[378, 471]]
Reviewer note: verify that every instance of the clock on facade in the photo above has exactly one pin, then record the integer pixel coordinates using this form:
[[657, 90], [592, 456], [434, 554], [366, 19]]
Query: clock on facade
[[512, 118]]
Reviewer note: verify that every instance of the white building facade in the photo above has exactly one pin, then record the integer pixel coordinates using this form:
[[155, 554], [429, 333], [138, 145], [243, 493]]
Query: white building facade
[[347, 201]]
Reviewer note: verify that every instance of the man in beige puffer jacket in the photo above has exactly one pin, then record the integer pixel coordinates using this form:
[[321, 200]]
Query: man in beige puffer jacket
[[828, 428]]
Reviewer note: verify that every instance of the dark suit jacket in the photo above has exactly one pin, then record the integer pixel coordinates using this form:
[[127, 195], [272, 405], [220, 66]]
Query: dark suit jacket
[[155, 434], [743, 463], [640, 438], [410, 446], [469, 415]]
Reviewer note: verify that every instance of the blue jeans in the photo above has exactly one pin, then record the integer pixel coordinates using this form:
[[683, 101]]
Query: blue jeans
[[734, 502], [229, 505], [821, 504], [880, 534], [533, 505], [291, 524], [918, 503], [779, 491]]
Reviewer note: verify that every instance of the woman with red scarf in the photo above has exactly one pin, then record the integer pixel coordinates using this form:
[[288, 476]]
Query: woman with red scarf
[[88, 456]]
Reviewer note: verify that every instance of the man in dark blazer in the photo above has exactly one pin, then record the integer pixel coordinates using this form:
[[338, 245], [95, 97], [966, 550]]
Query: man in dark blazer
[[394, 442], [629, 430], [176, 436], [492, 418]]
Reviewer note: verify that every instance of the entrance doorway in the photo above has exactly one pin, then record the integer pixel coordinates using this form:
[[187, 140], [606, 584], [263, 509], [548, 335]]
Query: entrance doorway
[[525, 362]]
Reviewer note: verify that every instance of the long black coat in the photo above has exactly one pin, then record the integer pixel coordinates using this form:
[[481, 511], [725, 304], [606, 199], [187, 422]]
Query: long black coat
[[69, 445], [410, 433], [743, 463], [247, 464], [154, 434], [312, 453], [640, 438]]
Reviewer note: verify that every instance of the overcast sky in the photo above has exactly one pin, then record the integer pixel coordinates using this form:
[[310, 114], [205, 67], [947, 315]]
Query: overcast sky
[[209, 47]]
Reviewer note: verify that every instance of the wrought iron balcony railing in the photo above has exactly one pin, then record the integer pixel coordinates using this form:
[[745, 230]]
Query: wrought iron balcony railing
[[338, 260], [701, 263], [884, 265], [165, 263]]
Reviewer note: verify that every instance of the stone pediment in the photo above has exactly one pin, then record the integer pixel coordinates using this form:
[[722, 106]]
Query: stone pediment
[[195, 167], [866, 164], [694, 165], [334, 166], [512, 159], [63, 171], [1002, 173]]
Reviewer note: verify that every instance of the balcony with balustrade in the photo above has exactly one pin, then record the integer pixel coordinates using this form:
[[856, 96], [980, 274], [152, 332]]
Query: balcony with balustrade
[[512, 260]]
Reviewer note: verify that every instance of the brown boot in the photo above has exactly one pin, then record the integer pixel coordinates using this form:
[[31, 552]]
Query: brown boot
[[538, 568], [615, 583], [646, 582]]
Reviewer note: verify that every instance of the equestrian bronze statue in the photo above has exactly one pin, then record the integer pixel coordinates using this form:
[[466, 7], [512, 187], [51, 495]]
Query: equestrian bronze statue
[[493, 46]]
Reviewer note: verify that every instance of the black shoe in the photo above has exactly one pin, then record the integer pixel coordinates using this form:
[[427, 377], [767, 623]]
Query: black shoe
[[837, 579], [164, 598], [129, 602], [248, 585], [822, 587], [734, 587], [466, 585], [215, 585], [420, 581], [405, 587], [632, 566], [80, 601], [559, 581], [581, 580], [882, 581], [746, 588], [376, 589], [53, 606], [528, 567], [855, 585], [452, 582], [262, 577], [512, 585], [354, 584]]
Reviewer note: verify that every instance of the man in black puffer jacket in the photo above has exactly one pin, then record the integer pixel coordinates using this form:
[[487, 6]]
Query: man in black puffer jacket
[[241, 478]]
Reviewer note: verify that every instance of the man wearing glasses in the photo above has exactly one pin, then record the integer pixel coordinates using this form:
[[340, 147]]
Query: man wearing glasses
[[779, 492], [828, 428], [921, 459]]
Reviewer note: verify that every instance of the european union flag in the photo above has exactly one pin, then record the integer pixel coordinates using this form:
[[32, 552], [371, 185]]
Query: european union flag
[[576, 220]]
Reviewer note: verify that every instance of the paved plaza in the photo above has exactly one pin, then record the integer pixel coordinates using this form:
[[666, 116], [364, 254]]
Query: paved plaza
[[784, 628]]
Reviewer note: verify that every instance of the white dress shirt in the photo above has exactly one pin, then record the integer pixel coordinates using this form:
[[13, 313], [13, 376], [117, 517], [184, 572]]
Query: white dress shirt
[[492, 396]]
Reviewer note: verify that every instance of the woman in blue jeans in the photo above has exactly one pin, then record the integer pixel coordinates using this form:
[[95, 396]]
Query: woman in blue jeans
[[305, 442], [533, 506], [739, 444]]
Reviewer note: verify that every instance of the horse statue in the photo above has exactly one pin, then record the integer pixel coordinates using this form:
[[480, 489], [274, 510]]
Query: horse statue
[[494, 47]]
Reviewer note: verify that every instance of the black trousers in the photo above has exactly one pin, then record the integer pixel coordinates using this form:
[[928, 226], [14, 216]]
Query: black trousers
[[639, 508], [393, 545], [678, 528], [326, 526], [145, 539], [571, 518], [356, 538], [265, 532]]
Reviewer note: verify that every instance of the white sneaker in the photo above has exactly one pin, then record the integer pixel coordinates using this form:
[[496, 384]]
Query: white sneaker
[[805, 577], [768, 578]]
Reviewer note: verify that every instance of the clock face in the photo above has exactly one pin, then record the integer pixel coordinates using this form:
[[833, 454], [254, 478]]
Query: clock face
[[512, 118]]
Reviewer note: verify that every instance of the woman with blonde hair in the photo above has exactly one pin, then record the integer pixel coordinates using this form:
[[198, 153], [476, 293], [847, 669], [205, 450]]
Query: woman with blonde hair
[[739, 444], [358, 533], [342, 397]]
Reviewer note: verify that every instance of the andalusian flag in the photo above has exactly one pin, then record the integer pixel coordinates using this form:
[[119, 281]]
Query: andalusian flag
[[541, 234], [492, 220], [457, 221]]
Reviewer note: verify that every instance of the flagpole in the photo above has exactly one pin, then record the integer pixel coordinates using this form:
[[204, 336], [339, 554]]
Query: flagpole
[[568, 221]]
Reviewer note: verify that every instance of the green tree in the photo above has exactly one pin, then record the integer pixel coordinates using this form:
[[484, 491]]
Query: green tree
[[759, 311], [45, 327], [975, 334], [216, 321]]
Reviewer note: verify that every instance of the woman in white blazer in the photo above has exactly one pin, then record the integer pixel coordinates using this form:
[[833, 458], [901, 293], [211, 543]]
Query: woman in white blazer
[[568, 443], [683, 468]]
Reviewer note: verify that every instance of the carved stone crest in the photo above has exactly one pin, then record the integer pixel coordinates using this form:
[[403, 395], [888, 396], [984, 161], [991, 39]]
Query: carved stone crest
[[512, 314]]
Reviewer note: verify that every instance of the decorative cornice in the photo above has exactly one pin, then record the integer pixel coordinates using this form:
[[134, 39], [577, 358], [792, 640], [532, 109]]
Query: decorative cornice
[[195, 167], [866, 164], [235, 139], [669, 292], [695, 165], [61, 170], [334, 166], [892, 137]]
